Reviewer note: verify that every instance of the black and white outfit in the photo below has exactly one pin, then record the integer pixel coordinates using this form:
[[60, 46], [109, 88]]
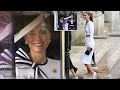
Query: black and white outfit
[[72, 24], [27, 69]]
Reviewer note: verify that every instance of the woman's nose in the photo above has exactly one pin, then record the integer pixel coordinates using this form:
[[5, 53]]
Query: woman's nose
[[38, 37]]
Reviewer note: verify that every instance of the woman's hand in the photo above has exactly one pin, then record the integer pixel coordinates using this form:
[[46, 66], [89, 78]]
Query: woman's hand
[[88, 48]]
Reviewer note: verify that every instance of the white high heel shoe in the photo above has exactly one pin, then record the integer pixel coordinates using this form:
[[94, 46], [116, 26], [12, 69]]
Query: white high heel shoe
[[90, 77], [94, 76]]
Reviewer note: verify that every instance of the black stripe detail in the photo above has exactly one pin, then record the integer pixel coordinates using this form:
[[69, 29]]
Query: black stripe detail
[[17, 55], [39, 71], [34, 71], [43, 72], [23, 63], [22, 52], [39, 74]]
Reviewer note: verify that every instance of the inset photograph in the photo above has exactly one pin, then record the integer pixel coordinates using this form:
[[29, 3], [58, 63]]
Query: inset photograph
[[65, 20]]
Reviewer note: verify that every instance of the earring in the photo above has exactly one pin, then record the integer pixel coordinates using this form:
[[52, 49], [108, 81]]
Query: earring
[[26, 42]]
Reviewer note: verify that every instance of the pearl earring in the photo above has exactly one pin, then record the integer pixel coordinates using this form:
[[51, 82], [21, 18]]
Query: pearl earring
[[25, 42]]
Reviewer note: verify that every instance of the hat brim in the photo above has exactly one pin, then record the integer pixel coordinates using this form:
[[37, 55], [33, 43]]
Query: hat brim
[[30, 26]]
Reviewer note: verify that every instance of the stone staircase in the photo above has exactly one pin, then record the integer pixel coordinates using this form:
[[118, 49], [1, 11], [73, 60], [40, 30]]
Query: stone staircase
[[113, 61], [109, 64]]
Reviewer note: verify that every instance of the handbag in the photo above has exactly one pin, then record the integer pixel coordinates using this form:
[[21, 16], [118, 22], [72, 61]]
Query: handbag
[[88, 51]]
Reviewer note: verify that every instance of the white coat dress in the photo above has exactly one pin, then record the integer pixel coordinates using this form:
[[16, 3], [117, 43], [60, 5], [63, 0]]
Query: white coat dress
[[89, 41]]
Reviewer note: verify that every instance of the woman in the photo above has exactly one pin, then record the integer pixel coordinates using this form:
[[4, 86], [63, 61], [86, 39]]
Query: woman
[[89, 43], [32, 63], [65, 24]]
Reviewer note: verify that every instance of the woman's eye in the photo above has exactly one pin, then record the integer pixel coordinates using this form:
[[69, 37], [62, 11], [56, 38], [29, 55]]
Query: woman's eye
[[43, 32], [31, 33]]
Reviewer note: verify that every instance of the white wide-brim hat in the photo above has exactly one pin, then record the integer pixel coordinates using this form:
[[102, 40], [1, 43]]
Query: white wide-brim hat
[[31, 25]]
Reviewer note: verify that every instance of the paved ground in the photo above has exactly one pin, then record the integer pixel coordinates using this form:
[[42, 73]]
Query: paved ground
[[106, 54]]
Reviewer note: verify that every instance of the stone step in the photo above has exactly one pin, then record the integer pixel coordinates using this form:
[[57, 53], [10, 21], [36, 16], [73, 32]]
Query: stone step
[[117, 34], [102, 72], [114, 63], [101, 54], [100, 37], [109, 64], [115, 72]]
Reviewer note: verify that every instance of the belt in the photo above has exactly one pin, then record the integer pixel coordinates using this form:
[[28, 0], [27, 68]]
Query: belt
[[87, 35]]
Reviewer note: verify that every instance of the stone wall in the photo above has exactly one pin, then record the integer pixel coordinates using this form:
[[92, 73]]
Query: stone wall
[[113, 19], [107, 16], [78, 36], [98, 21]]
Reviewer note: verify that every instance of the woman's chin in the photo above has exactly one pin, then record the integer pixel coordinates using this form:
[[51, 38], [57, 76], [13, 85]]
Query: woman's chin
[[40, 51]]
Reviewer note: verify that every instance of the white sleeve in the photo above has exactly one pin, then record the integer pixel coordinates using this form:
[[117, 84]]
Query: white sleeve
[[91, 32], [26, 73]]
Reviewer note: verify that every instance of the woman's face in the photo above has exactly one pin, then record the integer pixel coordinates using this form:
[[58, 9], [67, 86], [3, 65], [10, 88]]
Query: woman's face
[[65, 21], [38, 39], [86, 16]]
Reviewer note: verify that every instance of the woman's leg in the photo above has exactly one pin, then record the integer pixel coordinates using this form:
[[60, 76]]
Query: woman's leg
[[93, 61], [72, 67], [89, 69], [93, 58], [72, 71], [91, 73], [74, 74]]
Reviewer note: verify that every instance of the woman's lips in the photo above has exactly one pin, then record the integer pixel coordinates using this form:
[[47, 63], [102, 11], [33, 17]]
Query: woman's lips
[[38, 44]]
